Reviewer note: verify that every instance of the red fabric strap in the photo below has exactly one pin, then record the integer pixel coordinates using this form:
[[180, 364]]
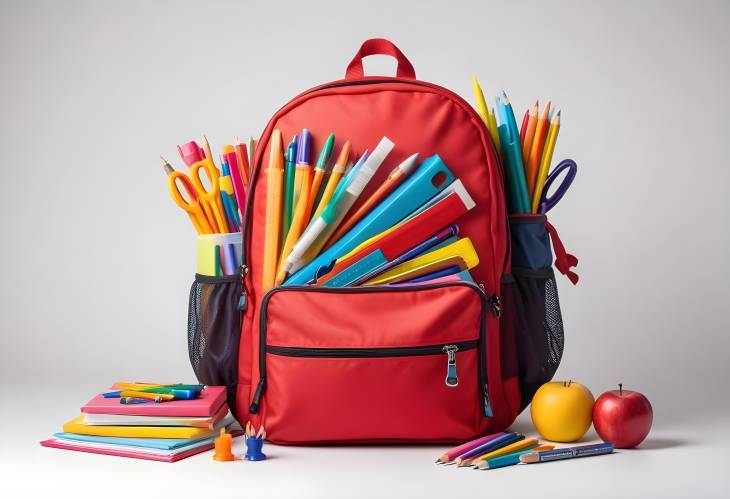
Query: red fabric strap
[[564, 261], [379, 46]]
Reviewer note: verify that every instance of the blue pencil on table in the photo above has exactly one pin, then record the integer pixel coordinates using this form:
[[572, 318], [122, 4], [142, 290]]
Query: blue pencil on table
[[567, 453]]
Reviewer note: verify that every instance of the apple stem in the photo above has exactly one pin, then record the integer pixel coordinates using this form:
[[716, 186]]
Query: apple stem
[[570, 382], [621, 389]]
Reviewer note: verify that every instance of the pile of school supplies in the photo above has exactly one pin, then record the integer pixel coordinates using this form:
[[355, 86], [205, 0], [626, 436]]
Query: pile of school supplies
[[404, 232], [155, 422], [506, 449], [526, 153], [214, 198]]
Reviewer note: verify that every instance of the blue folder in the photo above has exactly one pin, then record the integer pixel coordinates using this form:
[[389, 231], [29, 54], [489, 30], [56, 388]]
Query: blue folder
[[429, 179]]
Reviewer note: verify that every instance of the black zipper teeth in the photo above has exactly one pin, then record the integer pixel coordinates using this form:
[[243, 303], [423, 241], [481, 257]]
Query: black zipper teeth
[[481, 364], [366, 353], [255, 173]]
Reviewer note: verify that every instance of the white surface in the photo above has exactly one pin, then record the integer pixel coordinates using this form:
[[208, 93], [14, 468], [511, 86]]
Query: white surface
[[98, 260], [688, 460]]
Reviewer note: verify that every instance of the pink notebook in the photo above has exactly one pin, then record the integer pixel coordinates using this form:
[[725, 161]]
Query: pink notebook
[[210, 401], [127, 453]]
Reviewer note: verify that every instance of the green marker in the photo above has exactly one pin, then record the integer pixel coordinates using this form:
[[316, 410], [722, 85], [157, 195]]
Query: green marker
[[289, 170]]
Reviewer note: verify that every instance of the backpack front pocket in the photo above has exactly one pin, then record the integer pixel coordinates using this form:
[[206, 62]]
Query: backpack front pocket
[[372, 364]]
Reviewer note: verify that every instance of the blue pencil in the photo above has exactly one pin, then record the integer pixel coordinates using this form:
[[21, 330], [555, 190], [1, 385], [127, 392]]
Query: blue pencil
[[567, 453]]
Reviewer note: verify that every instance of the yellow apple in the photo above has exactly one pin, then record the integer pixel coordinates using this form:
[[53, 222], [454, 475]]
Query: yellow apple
[[561, 410]]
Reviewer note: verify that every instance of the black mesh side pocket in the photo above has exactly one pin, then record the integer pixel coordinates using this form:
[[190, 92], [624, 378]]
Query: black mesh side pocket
[[214, 331], [538, 328]]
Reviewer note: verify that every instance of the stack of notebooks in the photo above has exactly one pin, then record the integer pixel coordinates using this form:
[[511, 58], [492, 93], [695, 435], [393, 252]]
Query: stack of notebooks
[[167, 431]]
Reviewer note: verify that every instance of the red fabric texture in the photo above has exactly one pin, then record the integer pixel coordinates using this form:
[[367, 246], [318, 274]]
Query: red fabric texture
[[418, 117]]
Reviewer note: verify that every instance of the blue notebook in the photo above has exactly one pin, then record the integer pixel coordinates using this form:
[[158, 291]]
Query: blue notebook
[[152, 443]]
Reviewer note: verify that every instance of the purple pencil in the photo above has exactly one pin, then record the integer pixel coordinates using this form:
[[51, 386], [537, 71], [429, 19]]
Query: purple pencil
[[489, 446], [452, 454]]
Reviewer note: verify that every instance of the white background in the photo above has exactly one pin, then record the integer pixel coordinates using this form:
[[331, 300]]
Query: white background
[[98, 260]]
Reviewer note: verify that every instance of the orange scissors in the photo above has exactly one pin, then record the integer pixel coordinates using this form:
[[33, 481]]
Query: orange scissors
[[205, 208]]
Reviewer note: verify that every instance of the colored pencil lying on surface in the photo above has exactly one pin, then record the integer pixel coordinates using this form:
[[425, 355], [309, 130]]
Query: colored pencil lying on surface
[[567, 453], [522, 444], [452, 454], [508, 459], [497, 443]]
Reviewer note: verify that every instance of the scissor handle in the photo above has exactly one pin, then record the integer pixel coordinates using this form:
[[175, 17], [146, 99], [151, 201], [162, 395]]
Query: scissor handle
[[548, 202], [211, 171], [190, 190]]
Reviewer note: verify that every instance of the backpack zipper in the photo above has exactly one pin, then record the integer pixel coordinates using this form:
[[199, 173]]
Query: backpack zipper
[[452, 378], [483, 380]]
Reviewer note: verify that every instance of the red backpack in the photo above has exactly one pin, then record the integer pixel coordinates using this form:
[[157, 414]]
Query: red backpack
[[369, 364]]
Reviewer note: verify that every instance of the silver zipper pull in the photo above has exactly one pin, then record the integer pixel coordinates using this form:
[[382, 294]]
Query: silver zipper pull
[[451, 377]]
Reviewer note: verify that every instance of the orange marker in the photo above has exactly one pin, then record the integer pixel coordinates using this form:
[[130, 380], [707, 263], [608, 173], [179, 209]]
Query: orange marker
[[530, 132], [242, 160], [274, 206], [538, 142], [395, 178]]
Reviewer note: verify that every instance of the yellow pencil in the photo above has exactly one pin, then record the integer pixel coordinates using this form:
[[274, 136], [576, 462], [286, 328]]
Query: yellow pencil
[[298, 223], [274, 181], [337, 171], [547, 157], [485, 112]]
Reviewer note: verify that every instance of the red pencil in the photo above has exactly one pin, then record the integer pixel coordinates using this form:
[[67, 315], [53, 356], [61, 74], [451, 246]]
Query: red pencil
[[523, 127]]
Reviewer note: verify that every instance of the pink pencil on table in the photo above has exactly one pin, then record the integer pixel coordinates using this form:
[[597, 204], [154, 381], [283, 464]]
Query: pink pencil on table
[[452, 454]]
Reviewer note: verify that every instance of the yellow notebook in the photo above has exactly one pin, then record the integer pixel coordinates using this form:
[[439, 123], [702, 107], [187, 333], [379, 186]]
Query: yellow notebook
[[459, 252], [77, 426]]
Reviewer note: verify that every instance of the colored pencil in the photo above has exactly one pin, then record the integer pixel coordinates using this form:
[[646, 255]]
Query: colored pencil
[[508, 459], [303, 166], [497, 443], [523, 126], [485, 112], [528, 443], [518, 200], [337, 171], [298, 224], [532, 162], [319, 171], [567, 453], [547, 157], [272, 233], [242, 162], [394, 179], [529, 135], [289, 170], [452, 454]]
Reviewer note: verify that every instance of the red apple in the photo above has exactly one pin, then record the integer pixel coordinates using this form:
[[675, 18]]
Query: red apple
[[622, 417]]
